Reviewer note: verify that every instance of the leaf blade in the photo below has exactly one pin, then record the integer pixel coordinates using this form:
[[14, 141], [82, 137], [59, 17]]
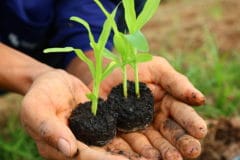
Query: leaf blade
[[138, 40], [143, 57], [109, 68], [147, 12], [57, 50], [130, 14], [106, 30], [84, 58], [86, 25]]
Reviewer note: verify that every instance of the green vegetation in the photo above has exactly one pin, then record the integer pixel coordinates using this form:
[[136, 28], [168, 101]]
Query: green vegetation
[[98, 71], [129, 44], [15, 144]]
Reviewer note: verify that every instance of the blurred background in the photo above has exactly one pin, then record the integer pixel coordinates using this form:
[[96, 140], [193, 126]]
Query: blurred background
[[201, 39]]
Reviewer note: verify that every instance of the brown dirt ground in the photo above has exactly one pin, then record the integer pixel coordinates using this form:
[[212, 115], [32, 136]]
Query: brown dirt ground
[[181, 25], [222, 141]]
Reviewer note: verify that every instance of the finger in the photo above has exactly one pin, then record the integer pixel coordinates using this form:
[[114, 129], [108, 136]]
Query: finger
[[119, 146], [47, 127], [176, 135], [168, 152], [175, 83], [86, 153], [141, 145], [157, 91], [185, 115], [49, 152]]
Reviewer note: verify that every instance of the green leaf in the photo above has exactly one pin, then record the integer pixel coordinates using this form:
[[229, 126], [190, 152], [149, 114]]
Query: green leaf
[[56, 50], [106, 30], [138, 40], [143, 57], [84, 58], [120, 43], [108, 15], [101, 7], [147, 12], [86, 25], [109, 68], [91, 97], [130, 14], [109, 55]]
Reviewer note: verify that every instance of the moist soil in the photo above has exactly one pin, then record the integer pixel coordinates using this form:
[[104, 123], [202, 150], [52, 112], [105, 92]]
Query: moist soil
[[134, 112], [127, 114], [93, 129]]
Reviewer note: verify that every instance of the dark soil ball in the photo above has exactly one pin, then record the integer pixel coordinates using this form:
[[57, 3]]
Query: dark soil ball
[[93, 130], [133, 113]]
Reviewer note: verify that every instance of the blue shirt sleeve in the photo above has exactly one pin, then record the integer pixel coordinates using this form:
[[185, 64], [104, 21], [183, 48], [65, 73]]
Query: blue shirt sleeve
[[67, 33]]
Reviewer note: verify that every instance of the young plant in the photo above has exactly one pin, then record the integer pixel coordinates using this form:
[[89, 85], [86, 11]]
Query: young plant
[[129, 45], [97, 70]]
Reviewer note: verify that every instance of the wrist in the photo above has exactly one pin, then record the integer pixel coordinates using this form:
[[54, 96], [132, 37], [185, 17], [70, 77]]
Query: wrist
[[30, 73], [18, 71]]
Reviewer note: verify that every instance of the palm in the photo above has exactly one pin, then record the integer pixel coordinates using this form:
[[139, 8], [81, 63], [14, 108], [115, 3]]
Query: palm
[[45, 110], [172, 94]]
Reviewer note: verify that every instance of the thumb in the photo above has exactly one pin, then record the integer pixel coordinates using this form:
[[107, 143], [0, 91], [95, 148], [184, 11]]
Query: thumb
[[53, 131], [57, 134]]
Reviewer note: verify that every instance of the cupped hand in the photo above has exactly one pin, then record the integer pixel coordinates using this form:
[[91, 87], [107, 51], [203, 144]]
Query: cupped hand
[[45, 110], [177, 128]]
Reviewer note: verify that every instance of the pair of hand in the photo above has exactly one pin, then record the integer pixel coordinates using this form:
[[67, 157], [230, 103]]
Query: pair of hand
[[174, 133]]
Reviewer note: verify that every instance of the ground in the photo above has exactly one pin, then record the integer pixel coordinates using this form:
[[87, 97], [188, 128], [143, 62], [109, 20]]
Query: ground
[[183, 25], [222, 141]]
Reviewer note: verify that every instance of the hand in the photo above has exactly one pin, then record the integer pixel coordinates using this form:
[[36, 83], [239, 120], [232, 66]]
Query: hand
[[177, 128], [44, 113]]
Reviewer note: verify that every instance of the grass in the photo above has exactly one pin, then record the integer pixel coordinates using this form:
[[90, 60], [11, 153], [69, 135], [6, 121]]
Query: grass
[[15, 144]]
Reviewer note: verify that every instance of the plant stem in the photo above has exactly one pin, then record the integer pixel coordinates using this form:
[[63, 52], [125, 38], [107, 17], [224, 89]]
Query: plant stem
[[95, 100], [137, 90], [125, 81], [97, 80]]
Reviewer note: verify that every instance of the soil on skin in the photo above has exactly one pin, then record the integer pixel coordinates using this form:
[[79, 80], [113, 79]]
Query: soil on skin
[[93, 130], [133, 113]]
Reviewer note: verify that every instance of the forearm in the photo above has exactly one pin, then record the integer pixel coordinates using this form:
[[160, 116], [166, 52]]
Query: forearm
[[17, 70]]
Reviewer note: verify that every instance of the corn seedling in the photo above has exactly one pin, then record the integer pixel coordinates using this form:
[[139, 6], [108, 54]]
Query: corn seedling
[[97, 70], [128, 45]]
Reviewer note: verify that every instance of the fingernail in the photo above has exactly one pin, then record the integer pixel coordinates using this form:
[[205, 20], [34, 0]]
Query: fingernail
[[64, 146]]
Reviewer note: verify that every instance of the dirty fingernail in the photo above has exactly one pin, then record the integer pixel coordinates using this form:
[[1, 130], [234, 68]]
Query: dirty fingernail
[[64, 146]]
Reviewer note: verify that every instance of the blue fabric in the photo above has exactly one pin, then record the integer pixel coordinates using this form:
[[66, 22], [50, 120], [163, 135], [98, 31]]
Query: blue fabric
[[31, 26]]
